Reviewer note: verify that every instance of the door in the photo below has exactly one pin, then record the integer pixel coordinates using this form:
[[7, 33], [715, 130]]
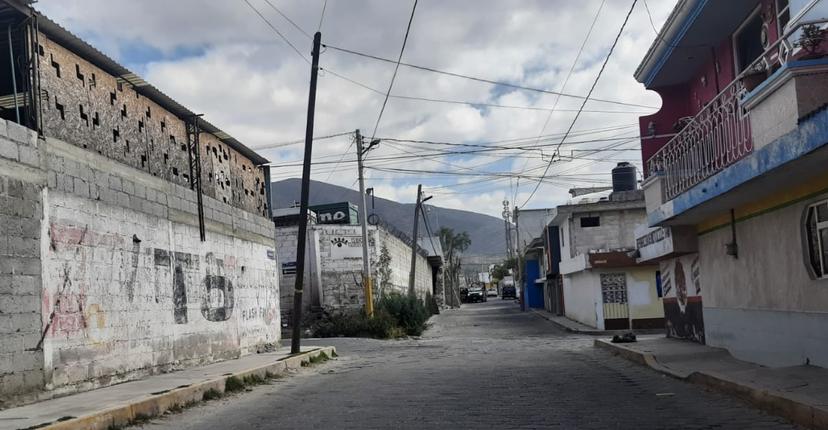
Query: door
[[614, 295]]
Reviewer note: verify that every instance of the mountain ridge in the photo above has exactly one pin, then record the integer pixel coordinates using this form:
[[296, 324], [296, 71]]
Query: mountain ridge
[[486, 232]]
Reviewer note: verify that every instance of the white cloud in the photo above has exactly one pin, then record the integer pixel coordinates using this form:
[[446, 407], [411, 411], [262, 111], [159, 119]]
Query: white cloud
[[251, 84]]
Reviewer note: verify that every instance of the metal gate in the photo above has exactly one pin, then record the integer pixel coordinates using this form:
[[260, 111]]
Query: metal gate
[[614, 295]]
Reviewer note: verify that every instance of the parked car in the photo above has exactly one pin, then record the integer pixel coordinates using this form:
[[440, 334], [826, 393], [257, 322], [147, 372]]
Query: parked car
[[491, 292], [508, 292], [476, 295]]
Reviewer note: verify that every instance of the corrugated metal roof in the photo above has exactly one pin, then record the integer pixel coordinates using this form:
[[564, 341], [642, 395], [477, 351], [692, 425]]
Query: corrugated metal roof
[[75, 44]]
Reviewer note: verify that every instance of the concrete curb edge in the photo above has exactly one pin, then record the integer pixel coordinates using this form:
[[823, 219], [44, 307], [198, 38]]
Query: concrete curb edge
[[157, 404], [592, 332], [768, 400]]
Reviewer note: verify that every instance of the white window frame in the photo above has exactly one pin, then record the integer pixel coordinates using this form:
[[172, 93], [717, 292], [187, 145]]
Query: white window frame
[[820, 225], [733, 38]]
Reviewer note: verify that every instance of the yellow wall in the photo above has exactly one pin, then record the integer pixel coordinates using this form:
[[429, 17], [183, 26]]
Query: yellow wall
[[643, 281], [768, 203]]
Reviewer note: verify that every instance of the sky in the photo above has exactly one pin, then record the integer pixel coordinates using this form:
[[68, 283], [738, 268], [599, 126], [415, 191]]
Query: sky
[[220, 58]]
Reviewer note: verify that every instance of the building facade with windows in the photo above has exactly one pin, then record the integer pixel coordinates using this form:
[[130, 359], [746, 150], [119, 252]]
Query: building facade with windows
[[601, 284], [736, 182]]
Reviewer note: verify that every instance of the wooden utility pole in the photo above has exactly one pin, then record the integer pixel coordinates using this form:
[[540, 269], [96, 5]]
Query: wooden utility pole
[[303, 205], [367, 284]]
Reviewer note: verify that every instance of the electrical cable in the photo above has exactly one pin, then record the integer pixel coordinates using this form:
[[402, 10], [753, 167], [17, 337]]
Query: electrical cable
[[322, 15], [591, 89], [473, 103], [563, 86], [298, 141], [478, 79], [296, 26], [272, 27], [391, 84]]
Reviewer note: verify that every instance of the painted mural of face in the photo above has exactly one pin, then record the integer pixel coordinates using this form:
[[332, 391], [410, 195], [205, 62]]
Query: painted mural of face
[[681, 286]]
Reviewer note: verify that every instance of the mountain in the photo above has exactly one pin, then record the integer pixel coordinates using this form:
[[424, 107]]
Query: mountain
[[486, 232]]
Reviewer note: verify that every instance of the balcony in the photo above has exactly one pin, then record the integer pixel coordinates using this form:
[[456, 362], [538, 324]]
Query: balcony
[[725, 130]]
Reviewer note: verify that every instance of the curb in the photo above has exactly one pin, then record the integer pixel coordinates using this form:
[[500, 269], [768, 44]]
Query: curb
[[593, 332], [771, 401], [566, 327], [155, 405]]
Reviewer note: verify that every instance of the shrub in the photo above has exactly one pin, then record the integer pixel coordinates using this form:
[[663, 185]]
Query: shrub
[[233, 384], [395, 315], [408, 311], [211, 394]]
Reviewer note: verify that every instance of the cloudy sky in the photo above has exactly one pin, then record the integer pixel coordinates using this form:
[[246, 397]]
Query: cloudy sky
[[220, 58]]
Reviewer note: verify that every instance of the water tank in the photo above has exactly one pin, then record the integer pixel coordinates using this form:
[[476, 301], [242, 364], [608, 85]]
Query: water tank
[[624, 177]]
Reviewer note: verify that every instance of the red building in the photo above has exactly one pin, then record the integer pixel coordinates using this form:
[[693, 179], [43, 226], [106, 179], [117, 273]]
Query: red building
[[736, 166]]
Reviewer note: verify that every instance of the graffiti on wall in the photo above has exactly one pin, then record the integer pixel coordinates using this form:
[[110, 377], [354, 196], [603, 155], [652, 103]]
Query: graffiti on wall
[[217, 300], [681, 284], [208, 282]]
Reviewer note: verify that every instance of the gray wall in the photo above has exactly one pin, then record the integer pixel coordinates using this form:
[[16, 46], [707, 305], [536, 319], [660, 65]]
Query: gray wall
[[106, 265], [22, 183]]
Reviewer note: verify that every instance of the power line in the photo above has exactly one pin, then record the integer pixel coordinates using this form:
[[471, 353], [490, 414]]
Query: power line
[[272, 27], [591, 89], [478, 79], [396, 69], [390, 85], [563, 86], [296, 26], [473, 103], [658, 34], [298, 141], [322, 15]]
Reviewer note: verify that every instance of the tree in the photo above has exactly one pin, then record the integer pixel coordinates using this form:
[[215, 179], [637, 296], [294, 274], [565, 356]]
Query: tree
[[504, 269], [453, 245], [384, 271]]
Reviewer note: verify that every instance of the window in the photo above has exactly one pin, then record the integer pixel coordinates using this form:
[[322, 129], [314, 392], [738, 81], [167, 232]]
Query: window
[[590, 221], [748, 40], [816, 235], [783, 15]]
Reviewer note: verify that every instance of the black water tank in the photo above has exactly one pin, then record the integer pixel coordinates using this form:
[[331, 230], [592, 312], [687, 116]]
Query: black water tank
[[624, 177]]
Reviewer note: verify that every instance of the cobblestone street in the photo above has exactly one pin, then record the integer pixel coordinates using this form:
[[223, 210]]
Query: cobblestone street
[[485, 366]]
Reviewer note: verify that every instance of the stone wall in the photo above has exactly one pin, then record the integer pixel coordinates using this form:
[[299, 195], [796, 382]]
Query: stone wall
[[118, 283]]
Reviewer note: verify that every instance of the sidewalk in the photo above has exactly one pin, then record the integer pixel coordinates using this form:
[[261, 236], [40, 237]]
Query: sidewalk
[[576, 327], [798, 393], [118, 405]]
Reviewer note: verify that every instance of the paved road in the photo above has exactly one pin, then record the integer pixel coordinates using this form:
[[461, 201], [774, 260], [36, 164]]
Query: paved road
[[484, 366]]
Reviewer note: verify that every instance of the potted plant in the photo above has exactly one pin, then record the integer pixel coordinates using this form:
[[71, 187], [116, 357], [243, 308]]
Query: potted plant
[[811, 41]]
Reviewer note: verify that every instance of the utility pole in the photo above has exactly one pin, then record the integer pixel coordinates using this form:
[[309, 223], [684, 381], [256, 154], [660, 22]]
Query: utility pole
[[506, 216], [413, 273], [367, 285], [519, 260], [303, 205], [415, 245]]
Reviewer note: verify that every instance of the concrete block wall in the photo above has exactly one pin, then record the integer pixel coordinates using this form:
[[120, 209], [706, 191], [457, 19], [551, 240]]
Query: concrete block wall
[[340, 256], [286, 241], [617, 230], [123, 285], [89, 108], [401, 266], [22, 183]]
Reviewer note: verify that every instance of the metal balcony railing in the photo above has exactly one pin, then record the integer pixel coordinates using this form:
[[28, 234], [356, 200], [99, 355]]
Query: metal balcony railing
[[720, 134]]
